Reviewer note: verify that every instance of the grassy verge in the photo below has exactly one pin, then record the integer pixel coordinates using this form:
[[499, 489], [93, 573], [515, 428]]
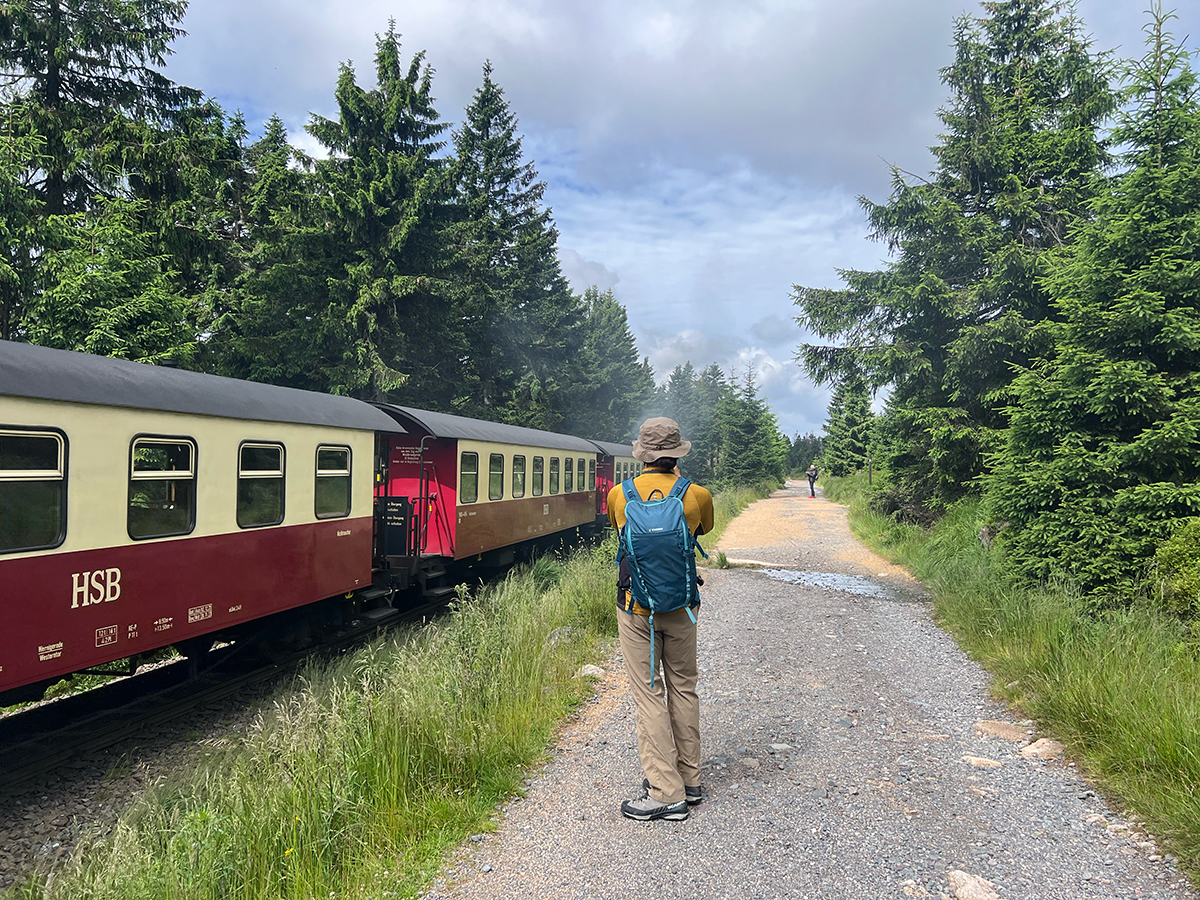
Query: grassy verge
[[357, 783], [1121, 690]]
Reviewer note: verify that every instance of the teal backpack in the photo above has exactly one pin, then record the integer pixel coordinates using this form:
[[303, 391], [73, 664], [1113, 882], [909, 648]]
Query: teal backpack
[[659, 549]]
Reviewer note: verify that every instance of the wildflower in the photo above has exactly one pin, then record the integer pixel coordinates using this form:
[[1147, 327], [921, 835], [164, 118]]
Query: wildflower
[[289, 851]]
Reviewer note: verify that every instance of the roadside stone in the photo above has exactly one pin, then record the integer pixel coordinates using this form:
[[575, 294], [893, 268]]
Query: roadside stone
[[970, 887], [982, 762], [1043, 748], [590, 671], [1006, 730]]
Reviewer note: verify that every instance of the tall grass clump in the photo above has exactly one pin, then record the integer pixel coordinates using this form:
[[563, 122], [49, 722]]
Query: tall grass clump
[[1119, 687], [843, 488], [356, 782]]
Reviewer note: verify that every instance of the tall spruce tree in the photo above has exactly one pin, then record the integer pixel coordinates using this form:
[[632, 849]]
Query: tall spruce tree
[[108, 292], [386, 202], [704, 431], [961, 302], [847, 439], [276, 324], [805, 451], [677, 397], [522, 322], [1102, 460], [22, 231], [85, 74], [118, 142], [691, 398], [752, 449], [609, 385]]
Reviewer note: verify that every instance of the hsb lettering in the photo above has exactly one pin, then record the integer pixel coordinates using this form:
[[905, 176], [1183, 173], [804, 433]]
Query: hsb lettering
[[90, 588]]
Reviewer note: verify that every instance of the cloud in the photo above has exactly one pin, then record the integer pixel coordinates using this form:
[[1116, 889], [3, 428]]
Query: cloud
[[774, 330], [798, 404], [583, 273], [666, 351], [786, 86]]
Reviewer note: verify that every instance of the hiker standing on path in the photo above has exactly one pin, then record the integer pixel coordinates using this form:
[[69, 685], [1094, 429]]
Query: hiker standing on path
[[667, 707], [812, 480]]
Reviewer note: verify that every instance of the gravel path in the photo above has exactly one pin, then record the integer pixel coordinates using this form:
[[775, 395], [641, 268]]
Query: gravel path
[[850, 752]]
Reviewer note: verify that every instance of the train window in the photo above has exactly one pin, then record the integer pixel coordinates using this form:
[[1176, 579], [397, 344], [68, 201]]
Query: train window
[[333, 482], [538, 464], [518, 482], [468, 478], [568, 475], [260, 489], [591, 474], [33, 495], [496, 476], [162, 487], [554, 474], [579, 467]]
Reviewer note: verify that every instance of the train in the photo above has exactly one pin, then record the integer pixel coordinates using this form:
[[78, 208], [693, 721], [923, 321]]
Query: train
[[144, 507]]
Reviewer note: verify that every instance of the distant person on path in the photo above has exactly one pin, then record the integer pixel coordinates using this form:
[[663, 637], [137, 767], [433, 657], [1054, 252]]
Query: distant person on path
[[812, 480], [667, 704]]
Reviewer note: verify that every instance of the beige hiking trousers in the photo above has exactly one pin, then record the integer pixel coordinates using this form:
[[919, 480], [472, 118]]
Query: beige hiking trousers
[[668, 715]]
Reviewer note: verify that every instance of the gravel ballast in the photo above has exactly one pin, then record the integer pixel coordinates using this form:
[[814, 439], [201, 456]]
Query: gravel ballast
[[851, 751]]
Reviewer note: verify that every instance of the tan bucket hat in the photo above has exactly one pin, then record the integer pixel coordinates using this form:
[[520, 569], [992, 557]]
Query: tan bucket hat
[[659, 437]]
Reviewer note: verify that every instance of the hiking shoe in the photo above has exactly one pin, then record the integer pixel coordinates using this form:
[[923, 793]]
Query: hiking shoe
[[693, 794], [646, 807]]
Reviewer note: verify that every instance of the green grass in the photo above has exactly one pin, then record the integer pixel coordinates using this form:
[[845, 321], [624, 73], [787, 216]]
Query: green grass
[[1121, 690], [359, 780]]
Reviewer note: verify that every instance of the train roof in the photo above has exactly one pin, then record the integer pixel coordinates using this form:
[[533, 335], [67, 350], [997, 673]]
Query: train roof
[[45, 374], [444, 425], [611, 449]]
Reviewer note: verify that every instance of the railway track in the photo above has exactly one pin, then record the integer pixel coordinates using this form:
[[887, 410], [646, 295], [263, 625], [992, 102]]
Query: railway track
[[39, 741]]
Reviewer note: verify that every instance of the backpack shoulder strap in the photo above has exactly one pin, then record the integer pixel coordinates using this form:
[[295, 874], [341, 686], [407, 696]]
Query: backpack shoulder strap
[[682, 483], [631, 494]]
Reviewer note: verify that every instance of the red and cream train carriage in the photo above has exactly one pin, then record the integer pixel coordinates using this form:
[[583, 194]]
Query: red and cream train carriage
[[462, 489], [616, 464], [143, 506]]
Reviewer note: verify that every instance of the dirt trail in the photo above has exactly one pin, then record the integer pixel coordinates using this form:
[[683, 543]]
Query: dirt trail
[[793, 529], [851, 751]]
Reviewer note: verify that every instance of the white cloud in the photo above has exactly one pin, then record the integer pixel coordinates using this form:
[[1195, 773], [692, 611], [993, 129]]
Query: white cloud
[[583, 273]]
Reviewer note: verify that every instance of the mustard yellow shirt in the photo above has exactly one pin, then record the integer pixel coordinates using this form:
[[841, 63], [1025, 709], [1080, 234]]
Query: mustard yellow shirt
[[697, 507]]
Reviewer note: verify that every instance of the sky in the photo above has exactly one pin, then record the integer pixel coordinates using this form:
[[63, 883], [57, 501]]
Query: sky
[[701, 156]]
